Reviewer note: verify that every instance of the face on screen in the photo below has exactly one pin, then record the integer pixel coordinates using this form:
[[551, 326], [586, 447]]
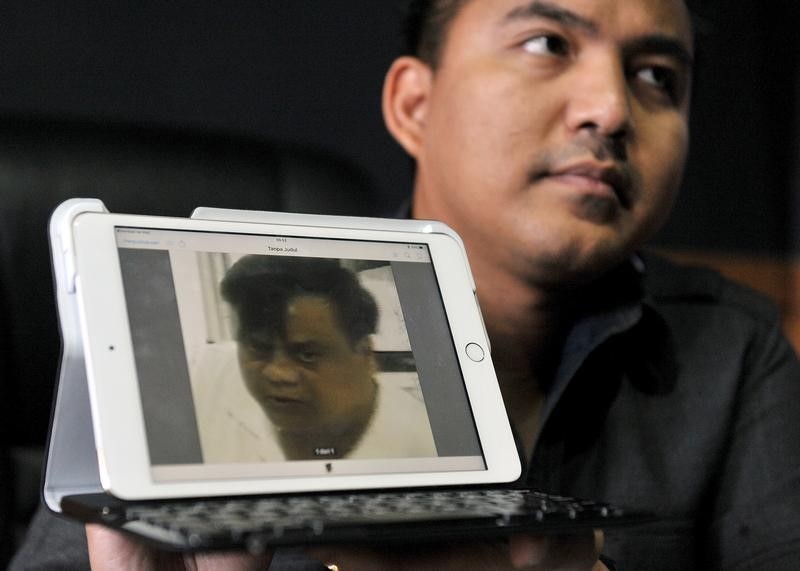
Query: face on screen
[[311, 378]]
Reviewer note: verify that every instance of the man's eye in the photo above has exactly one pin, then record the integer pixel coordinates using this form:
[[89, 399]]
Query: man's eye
[[546, 45], [307, 356], [661, 78], [260, 352]]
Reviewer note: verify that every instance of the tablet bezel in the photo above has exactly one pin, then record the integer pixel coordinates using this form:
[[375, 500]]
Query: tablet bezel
[[117, 416]]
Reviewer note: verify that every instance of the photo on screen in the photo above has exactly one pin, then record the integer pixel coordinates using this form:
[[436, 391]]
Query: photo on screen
[[213, 343], [298, 358]]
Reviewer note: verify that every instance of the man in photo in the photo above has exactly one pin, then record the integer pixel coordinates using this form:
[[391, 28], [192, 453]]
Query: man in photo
[[303, 330]]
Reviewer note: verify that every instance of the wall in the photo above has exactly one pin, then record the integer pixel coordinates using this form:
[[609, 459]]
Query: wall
[[307, 71]]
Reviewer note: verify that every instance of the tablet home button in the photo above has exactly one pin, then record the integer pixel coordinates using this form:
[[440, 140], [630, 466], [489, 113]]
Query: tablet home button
[[475, 352]]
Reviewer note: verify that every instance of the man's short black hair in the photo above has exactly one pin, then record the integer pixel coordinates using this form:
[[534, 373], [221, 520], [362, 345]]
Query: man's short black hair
[[426, 25], [428, 21], [260, 288]]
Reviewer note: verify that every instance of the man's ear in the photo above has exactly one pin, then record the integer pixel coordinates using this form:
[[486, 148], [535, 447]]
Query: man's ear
[[364, 348], [406, 92]]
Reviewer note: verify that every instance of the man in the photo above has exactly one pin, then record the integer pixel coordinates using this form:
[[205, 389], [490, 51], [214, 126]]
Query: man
[[551, 134], [303, 335]]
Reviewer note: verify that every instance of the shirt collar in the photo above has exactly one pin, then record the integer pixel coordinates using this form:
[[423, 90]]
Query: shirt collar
[[616, 307]]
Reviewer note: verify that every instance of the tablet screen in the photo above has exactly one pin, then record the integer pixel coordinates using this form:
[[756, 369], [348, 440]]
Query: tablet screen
[[277, 356]]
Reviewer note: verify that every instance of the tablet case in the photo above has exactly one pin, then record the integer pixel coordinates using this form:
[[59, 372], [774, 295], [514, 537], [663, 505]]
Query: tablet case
[[72, 465]]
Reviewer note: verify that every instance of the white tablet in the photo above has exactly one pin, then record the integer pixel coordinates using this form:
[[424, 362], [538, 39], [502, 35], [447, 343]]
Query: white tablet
[[265, 353]]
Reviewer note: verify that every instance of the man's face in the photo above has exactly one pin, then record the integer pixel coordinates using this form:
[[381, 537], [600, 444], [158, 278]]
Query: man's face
[[555, 131], [314, 378]]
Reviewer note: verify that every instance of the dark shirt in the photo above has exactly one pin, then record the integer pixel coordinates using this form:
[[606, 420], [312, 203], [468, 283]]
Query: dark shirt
[[676, 392], [680, 398]]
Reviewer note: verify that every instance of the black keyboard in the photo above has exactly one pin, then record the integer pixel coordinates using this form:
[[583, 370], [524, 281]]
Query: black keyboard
[[256, 523]]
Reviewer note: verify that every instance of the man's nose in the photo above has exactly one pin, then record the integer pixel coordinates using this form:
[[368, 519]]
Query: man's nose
[[599, 100], [280, 369]]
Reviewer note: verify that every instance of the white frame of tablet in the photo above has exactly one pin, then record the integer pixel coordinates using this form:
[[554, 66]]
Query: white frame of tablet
[[94, 317]]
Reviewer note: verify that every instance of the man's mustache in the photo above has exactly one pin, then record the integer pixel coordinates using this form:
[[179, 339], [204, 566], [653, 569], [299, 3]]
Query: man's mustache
[[595, 150]]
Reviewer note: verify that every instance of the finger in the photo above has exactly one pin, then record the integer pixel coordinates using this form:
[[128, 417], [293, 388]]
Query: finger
[[112, 549], [575, 551], [599, 541], [232, 562], [527, 550]]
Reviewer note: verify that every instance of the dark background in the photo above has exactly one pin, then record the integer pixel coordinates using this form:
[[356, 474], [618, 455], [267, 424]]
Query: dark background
[[310, 72], [149, 76]]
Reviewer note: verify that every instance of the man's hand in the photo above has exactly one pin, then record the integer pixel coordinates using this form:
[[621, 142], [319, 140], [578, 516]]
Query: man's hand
[[550, 553], [111, 549]]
